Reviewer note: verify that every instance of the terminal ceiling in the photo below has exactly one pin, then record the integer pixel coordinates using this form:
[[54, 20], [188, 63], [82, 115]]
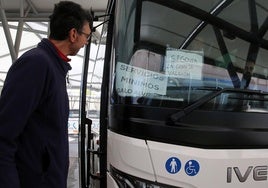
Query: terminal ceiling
[[36, 10], [23, 11]]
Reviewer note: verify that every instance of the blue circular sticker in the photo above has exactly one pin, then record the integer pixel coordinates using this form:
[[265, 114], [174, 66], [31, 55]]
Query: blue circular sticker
[[173, 165], [192, 168]]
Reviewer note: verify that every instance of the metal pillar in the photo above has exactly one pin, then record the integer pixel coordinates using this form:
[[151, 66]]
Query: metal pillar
[[7, 33]]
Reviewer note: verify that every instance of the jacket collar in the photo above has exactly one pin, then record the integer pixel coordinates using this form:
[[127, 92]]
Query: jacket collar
[[45, 43]]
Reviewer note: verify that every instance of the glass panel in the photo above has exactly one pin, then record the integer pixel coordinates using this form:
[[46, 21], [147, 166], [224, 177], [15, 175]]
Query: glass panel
[[238, 102], [180, 58]]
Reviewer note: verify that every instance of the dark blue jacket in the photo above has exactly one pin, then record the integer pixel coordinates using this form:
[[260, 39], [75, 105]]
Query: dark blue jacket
[[34, 109]]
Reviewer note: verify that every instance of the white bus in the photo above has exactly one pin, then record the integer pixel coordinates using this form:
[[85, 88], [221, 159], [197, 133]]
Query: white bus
[[184, 99]]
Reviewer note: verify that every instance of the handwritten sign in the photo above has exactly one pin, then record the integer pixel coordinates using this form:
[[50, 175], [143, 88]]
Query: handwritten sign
[[184, 63], [135, 81]]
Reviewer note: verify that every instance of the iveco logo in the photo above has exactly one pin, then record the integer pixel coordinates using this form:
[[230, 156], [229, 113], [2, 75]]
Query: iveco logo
[[258, 173]]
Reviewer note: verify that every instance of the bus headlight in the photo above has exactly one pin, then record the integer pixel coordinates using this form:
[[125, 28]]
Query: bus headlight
[[127, 181]]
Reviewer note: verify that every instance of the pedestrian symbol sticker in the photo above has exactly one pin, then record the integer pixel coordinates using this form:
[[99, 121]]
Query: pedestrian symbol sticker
[[173, 165], [192, 168]]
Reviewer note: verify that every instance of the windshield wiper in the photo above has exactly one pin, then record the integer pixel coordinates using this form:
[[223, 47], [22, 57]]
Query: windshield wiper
[[188, 109]]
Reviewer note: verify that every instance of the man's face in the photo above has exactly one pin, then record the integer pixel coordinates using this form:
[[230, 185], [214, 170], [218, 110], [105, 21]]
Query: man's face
[[249, 67], [81, 39]]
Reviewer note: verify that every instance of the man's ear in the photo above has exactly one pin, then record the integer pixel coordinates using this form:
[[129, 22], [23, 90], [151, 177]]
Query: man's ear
[[73, 35]]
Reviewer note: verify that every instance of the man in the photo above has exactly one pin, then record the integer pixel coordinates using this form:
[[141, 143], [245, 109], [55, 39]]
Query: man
[[34, 107], [247, 74]]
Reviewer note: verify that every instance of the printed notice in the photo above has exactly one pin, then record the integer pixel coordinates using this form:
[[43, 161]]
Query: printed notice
[[184, 63], [135, 81]]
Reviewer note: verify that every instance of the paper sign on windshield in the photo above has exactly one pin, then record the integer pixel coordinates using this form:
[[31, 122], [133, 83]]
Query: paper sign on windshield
[[184, 63], [135, 81]]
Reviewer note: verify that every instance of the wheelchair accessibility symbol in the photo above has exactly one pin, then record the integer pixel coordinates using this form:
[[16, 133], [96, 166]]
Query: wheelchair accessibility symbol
[[192, 168], [173, 165]]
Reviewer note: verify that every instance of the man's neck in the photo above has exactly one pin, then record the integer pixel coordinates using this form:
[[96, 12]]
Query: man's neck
[[61, 49]]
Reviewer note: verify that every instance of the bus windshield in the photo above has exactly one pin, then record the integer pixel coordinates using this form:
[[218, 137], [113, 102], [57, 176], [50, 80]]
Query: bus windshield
[[175, 53]]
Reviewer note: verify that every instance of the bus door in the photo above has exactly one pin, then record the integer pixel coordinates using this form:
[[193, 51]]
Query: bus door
[[93, 102]]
